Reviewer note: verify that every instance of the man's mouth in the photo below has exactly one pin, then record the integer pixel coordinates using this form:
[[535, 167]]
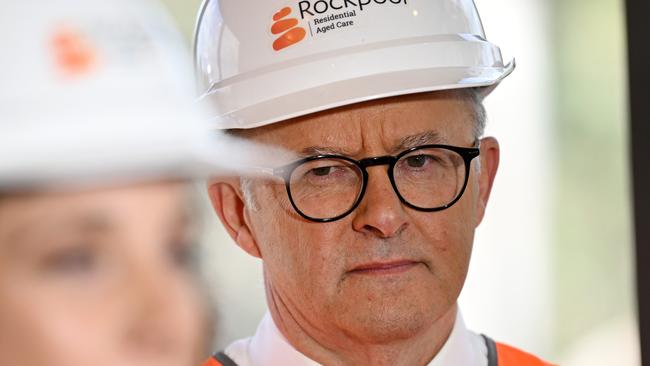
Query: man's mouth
[[384, 268]]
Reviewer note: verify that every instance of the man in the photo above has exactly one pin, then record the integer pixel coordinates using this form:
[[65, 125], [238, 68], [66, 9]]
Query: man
[[98, 143], [366, 236]]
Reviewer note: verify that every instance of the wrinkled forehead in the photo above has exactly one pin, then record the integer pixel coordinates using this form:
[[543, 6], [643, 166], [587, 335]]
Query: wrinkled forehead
[[385, 125]]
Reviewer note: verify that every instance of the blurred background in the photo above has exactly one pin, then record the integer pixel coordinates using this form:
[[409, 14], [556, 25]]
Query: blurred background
[[553, 265]]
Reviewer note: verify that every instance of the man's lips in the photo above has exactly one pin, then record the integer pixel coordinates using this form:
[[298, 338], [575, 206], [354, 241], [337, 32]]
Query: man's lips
[[384, 268]]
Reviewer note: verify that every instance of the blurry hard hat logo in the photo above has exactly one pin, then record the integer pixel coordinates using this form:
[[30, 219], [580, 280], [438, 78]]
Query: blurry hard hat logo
[[73, 53], [288, 27]]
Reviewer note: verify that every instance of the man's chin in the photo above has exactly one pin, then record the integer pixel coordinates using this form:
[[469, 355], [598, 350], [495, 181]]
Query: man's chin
[[389, 311], [382, 325]]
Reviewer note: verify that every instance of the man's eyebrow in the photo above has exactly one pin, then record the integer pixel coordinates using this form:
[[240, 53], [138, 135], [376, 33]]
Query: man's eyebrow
[[324, 150], [424, 138]]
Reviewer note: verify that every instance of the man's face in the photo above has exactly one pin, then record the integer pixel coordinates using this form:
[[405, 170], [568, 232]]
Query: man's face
[[385, 271], [98, 278]]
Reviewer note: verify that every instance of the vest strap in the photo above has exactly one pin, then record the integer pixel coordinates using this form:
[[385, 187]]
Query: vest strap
[[492, 356], [223, 359]]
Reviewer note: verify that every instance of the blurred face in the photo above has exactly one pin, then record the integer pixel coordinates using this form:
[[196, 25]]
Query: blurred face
[[98, 278], [385, 271]]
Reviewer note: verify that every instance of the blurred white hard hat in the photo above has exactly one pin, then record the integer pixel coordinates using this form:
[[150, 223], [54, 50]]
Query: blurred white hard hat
[[261, 62], [96, 90]]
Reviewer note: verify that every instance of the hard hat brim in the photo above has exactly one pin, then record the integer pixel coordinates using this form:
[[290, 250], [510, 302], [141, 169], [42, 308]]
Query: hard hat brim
[[367, 72], [116, 148], [358, 90]]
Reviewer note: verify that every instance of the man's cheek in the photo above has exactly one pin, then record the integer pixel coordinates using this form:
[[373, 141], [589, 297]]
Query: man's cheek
[[434, 230]]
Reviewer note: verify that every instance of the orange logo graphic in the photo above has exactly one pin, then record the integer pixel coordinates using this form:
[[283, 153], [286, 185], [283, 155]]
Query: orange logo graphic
[[73, 54], [292, 34]]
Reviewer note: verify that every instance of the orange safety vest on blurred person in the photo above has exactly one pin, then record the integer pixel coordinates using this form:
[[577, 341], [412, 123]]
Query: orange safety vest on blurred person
[[499, 354]]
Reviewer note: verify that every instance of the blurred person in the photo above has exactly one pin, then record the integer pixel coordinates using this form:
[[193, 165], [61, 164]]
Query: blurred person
[[366, 238], [99, 277], [99, 141]]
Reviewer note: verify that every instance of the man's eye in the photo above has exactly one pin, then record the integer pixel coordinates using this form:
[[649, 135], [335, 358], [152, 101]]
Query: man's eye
[[321, 172], [418, 161]]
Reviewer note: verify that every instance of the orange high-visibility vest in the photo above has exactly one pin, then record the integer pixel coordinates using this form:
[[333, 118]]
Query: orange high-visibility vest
[[499, 354], [510, 356]]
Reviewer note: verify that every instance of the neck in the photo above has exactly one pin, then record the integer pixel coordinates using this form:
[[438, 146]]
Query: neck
[[337, 347]]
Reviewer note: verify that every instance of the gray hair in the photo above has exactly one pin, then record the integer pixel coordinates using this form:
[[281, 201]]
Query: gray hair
[[246, 186], [479, 116]]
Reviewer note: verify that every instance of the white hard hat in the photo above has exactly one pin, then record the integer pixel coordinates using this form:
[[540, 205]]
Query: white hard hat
[[261, 62], [96, 90]]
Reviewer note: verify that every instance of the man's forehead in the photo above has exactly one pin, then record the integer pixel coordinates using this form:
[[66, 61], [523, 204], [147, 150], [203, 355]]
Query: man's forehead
[[395, 123], [399, 144]]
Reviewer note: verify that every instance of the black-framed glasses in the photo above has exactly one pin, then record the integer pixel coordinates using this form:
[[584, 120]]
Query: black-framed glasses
[[326, 188]]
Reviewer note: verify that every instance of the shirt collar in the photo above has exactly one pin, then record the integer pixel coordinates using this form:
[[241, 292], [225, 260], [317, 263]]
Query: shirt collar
[[462, 348], [270, 347]]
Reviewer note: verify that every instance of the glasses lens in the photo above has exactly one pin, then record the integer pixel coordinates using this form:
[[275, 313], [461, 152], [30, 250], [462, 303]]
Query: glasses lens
[[430, 178], [325, 188]]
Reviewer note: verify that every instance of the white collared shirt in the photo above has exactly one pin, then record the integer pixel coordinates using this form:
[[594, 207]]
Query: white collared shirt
[[268, 347]]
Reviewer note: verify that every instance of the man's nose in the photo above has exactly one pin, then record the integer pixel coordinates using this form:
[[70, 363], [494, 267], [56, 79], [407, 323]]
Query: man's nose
[[380, 212]]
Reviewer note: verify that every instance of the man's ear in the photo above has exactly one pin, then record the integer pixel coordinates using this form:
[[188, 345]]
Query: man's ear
[[490, 153], [228, 204]]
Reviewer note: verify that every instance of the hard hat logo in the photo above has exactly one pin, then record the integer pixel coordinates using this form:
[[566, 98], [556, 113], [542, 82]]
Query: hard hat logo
[[73, 53], [288, 27], [322, 18], [313, 9]]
